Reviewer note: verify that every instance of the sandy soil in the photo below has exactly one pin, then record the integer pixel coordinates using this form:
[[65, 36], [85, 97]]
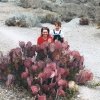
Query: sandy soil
[[85, 39]]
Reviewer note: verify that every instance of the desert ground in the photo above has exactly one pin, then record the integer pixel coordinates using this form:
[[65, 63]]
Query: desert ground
[[85, 39]]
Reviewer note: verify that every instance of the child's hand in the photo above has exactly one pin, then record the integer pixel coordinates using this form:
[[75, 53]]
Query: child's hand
[[56, 40]]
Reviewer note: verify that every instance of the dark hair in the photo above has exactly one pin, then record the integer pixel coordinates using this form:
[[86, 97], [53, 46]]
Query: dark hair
[[45, 28], [58, 23]]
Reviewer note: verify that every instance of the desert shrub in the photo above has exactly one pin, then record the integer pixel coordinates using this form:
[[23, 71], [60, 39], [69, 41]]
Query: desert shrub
[[22, 20], [50, 18], [47, 7], [25, 3], [4, 0], [47, 71], [98, 24], [18, 2], [84, 21]]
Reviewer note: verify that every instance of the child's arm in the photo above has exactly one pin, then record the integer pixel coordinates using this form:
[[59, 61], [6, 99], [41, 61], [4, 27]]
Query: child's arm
[[62, 35], [63, 39]]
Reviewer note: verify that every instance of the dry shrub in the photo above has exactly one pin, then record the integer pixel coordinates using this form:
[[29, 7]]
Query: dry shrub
[[25, 3], [50, 18], [22, 20], [4, 0], [98, 24]]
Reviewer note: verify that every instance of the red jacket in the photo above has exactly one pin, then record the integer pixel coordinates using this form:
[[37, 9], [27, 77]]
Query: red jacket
[[41, 40]]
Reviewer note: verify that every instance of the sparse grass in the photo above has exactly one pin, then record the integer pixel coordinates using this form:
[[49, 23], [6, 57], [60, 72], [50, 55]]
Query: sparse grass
[[93, 83]]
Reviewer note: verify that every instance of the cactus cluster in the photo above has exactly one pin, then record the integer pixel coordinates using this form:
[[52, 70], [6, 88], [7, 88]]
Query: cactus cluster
[[84, 21], [48, 71]]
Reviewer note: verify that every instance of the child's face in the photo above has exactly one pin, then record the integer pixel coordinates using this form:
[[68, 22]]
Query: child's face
[[57, 27]]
